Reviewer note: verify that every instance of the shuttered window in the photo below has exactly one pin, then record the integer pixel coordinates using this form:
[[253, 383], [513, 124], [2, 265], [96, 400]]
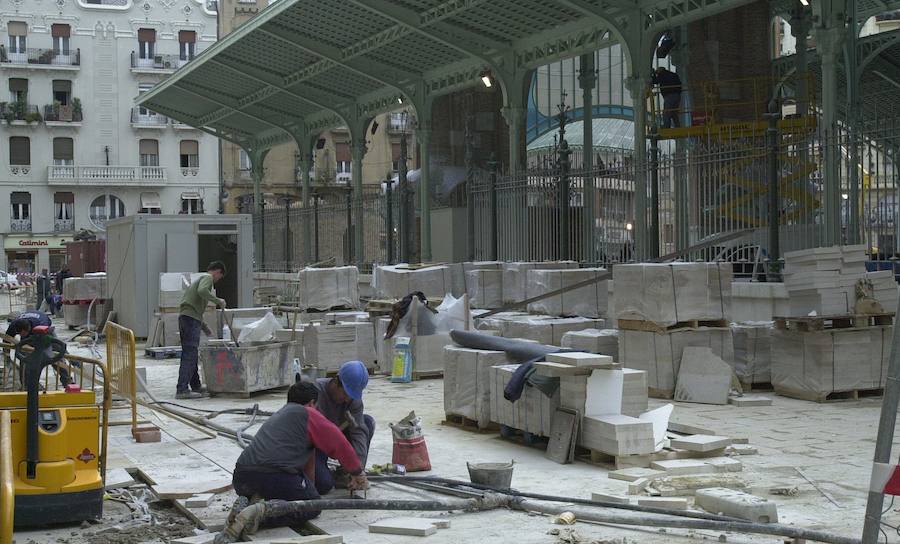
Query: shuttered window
[[63, 149], [19, 150]]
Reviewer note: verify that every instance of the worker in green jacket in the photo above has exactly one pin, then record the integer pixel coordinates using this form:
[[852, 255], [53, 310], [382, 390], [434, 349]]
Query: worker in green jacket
[[190, 323]]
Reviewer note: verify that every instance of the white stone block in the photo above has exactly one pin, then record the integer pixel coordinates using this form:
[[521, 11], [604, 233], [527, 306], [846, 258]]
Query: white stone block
[[581, 359], [670, 503], [701, 442], [485, 288], [600, 341], [515, 277], [614, 499], [672, 292], [635, 473], [397, 281], [588, 301], [703, 377], [736, 504], [201, 500], [618, 435]]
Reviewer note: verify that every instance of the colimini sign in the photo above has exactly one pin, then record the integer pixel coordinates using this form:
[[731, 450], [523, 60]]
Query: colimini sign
[[34, 243]]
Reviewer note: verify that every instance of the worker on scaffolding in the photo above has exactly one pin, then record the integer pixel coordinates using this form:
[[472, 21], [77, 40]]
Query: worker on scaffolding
[[280, 461], [340, 400], [670, 88], [190, 323]]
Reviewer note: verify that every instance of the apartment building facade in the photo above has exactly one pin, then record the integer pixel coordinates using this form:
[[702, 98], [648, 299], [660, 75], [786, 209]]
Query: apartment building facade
[[75, 152]]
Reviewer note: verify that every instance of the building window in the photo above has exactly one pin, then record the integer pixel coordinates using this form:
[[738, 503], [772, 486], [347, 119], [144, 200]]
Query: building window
[[18, 89], [150, 203], [63, 152], [62, 91], [191, 204], [186, 42], [244, 161], [395, 157], [344, 167], [190, 154], [146, 44], [104, 208], [21, 205], [19, 151], [149, 150], [64, 211], [17, 31], [60, 34]]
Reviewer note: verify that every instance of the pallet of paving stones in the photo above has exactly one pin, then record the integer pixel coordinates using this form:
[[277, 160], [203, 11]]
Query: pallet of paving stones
[[827, 322], [833, 396], [165, 352], [462, 422], [651, 326]]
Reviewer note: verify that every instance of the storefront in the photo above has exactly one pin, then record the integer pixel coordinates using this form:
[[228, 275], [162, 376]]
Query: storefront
[[29, 254]]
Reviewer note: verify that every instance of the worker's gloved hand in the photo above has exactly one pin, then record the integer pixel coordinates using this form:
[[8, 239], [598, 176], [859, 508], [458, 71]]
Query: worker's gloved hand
[[205, 328], [221, 304], [358, 482]]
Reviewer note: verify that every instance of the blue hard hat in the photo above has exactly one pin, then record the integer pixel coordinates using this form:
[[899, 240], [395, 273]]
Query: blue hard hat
[[354, 378]]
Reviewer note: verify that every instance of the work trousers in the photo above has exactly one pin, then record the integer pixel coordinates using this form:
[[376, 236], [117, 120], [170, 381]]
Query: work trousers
[[276, 485], [324, 476], [671, 106], [188, 375]]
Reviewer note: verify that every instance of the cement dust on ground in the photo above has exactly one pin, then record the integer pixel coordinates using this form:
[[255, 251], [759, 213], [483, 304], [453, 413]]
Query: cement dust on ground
[[831, 444]]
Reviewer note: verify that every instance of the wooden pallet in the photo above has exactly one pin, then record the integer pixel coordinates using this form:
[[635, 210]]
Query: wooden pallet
[[829, 322], [757, 387], [601, 459], [651, 326], [655, 393], [462, 422], [523, 437], [165, 352], [834, 396], [427, 374]]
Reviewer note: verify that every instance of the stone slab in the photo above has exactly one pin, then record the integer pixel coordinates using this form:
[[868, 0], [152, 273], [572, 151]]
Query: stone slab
[[741, 449], [703, 378], [275, 533], [582, 359], [312, 539], [737, 504], [205, 538], [697, 466], [403, 526], [201, 500], [750, 400], [671, 503], [615, 499], [701, 442], [634, 474], [119, 477]]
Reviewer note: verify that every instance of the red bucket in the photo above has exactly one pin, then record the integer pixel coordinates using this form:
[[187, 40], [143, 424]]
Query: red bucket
[[411, 453]]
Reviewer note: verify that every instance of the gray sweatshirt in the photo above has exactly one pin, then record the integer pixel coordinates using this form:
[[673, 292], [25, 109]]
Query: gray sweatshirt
[[357, 434]]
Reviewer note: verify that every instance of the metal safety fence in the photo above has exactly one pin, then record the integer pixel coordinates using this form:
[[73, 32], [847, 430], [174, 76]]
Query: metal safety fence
[[7, 482], [121, 361]]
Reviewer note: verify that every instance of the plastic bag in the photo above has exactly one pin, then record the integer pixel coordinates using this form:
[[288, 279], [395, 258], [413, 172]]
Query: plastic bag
[[451, 315], [407, 428], [261, 330]]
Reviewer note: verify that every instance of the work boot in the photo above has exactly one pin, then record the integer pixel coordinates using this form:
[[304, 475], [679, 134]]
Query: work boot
[[185, 395], [203, 391]]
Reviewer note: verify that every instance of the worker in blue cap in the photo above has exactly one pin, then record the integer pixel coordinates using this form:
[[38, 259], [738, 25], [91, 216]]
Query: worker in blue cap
[[340, 401]]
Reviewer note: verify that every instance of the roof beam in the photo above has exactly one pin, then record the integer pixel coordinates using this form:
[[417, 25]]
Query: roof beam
[[368, 68], [234, 107], [590, 10]]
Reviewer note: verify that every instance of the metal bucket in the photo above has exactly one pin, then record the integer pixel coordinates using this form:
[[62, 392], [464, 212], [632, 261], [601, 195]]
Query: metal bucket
[[497, 475]]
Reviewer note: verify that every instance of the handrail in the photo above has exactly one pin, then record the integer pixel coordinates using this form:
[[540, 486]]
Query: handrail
[[7, 487]]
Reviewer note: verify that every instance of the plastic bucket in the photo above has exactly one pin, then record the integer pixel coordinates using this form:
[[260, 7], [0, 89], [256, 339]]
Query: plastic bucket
[[498, 475]]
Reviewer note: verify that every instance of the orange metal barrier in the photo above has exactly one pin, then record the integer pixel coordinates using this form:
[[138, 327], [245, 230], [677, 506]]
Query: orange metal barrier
[[121, 359], [7, 487]]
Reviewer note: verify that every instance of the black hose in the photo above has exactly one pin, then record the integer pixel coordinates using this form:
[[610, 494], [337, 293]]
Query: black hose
[[554, 498]]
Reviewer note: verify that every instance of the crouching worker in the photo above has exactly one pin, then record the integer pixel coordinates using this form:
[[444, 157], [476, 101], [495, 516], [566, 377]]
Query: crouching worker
[[340, 400], [280, 463]]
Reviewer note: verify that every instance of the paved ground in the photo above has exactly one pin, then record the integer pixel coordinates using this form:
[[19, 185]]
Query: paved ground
[[823, 449]]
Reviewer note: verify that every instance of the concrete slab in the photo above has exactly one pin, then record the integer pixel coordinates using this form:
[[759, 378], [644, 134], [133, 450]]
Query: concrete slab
[[604, 497], [118, 477], [750, 400], [582, 359], [634, 474], [698, 466], [672, 503], [700, 442], [737, 504], [403, 526], [703, 377], [201, 500]]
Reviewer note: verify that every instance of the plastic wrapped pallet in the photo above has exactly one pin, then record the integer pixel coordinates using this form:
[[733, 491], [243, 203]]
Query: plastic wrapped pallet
[[295, 339], [752, 352], [515, 277], [459, 274], [467, 382], [600, 341], [532, 413], [659, 354], [588, 301], [327, 288], [397, 281], [812, 365], [485, 288], [673, 292], [329, 346], [172, 286], [496, 321], [85, 289], [546, 330]]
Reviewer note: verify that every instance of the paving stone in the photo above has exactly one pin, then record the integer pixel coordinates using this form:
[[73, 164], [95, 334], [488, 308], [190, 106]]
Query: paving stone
[[275, 533], [700, 442], [201, 500], [403, 526], [750, 400], [603, 497], [742, 449], [672, 503], [703, 377], [635, 473], [737, 504], [581, 359], [312, 539], [205, 538], [698, 466]]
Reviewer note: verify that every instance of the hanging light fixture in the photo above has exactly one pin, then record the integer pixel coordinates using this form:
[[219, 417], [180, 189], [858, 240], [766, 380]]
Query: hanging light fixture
[[486, 79]]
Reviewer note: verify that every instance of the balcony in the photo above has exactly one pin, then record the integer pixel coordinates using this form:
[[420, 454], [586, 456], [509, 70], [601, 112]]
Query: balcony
[[142, 118], [107, 176], [64, 116], [19, 113], [63, 225], [158, 64], [41, 59], [20, 225]]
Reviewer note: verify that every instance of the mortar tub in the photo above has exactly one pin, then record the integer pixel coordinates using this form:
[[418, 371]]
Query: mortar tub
[[248, 369], [496, 475]]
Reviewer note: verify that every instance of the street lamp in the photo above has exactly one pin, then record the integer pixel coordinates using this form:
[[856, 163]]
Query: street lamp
[[406, 123]]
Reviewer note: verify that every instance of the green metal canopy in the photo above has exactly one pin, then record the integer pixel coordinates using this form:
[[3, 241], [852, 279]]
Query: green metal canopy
[[302, 66]]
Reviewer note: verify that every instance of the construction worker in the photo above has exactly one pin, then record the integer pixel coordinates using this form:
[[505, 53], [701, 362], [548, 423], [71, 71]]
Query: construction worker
[[670, 89], [22, 326], [43, 290], [190, 323], [340, 400], [279, 462]]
